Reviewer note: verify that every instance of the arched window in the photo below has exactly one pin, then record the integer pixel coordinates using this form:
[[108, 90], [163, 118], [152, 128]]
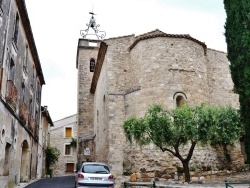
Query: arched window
[[179, 98], [92, 65]]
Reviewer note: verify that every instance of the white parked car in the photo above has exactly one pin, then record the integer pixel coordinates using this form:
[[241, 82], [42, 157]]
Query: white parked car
[[94, 174]]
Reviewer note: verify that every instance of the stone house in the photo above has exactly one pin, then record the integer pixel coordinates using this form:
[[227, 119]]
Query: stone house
[[44, 141], [21, 81], [61, 136], [120, 77]]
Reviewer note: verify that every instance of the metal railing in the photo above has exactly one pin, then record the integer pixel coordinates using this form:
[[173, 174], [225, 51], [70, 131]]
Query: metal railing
[[141, 184], [230, 184]]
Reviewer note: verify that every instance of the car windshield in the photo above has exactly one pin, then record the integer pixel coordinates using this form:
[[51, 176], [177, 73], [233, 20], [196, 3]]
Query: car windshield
[[95, 168]]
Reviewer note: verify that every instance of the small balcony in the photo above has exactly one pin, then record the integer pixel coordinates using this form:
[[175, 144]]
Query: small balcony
[[11, 94], [23, 112]]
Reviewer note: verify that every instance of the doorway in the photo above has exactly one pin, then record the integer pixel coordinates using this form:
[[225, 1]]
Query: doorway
[[24, 174]]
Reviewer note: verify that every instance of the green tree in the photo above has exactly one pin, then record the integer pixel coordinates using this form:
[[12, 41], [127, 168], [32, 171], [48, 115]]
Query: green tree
[[52, 156], [237, 32], [184, 125]]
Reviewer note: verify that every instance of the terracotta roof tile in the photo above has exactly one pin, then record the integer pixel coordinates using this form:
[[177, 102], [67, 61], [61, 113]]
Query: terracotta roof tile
[[158, 33], [151, 32]]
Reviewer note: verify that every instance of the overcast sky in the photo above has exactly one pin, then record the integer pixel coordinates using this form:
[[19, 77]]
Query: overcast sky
[[56, 26]]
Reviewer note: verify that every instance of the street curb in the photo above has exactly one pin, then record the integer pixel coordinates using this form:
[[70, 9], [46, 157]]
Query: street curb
[[23, 185]]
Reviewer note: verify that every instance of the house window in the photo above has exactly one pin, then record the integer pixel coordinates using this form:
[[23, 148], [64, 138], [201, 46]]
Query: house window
[[68, 132], [69, 167], [38, 93], [37, 115], [67, 149], [25, 59], [92, 65], [11, 70], [31, 107], [15, 35]]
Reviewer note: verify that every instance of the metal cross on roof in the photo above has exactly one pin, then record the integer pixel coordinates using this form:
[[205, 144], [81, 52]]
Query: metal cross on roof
[[92, 24]]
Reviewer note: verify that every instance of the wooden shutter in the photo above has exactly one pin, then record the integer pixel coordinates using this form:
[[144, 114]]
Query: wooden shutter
[[68, 132]]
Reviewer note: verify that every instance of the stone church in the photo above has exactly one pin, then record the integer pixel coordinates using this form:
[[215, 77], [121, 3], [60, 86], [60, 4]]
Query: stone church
[[120, 77]]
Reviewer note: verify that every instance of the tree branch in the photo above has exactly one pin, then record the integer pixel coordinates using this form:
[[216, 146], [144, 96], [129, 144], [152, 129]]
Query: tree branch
[[169, 150], [191, 150]]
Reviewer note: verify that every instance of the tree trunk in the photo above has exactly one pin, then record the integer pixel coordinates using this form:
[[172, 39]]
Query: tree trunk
[[185, 164]]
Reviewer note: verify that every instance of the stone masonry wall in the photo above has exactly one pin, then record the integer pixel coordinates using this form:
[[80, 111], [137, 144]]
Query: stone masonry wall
[[164, 66], [101, 118], [85, 108], [152, 160], [109, 102], [219, 80]]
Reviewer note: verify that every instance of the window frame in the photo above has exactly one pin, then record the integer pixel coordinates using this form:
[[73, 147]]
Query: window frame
[[65, 132], [92, 64], [16, 29], [65, 149], [177, 95]]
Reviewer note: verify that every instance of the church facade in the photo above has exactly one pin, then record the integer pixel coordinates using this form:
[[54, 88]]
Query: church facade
[[120, 77]]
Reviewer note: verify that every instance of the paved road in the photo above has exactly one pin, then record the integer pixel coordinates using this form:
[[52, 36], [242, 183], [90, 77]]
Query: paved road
[[55, 182]]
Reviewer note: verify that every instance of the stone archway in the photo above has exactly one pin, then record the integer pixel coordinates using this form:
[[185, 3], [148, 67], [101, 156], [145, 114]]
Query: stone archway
[[24, 174]]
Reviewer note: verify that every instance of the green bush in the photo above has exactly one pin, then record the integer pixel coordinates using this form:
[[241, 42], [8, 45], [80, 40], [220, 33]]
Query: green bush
[[52, 155]]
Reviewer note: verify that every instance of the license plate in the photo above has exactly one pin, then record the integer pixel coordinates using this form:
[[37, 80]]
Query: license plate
[[95, 178]]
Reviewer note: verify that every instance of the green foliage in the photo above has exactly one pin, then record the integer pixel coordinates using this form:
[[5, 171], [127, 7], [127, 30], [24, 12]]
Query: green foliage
[[201, 123], [52, 156], [73, 142], [227, 127], [193, 123], [170, 131], [237, 32]]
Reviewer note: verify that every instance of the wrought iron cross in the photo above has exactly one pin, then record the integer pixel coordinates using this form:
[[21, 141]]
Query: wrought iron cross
[[92, 24]]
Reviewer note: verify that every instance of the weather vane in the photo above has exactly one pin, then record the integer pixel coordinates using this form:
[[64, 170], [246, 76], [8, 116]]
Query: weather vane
[[92, 24]]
